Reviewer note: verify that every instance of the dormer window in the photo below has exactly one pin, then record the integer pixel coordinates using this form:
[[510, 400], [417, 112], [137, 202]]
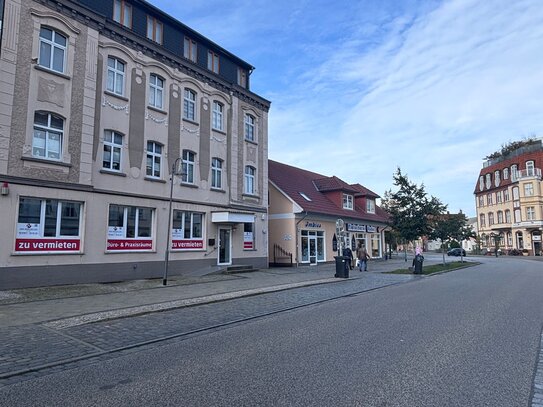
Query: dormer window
[[497, 178], [481, 183], [370, 205], [506, 173], [348, 202], [488, 181]]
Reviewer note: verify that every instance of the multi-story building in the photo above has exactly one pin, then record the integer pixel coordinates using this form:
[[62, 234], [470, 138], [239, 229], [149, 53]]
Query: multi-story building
[[509, 199], [102, 104], [304, 211]]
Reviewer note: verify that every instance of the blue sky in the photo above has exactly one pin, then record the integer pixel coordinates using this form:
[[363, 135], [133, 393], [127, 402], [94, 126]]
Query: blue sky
[[359, 88]]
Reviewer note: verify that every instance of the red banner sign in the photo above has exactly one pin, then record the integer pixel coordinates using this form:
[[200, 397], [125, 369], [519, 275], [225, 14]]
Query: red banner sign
[[129, 245], [187, 244], [47, 245]]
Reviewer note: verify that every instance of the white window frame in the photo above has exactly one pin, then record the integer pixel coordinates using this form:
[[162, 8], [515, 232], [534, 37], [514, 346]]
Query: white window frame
[[40, 232], [249, 127], [189, 104], [497, 178], [115, 147], [482, 220], [217, 121], [348, 202], [506, 173], [190, 49], [506, 196], [154, 154], [188, 166], [48, 143], [500, 217], [528, 189], [490, 218], [530, 213], [481, 200], [54, 47], [115, 76], [122, 13], [530, 168], [481, 183], [489, 200], [216, 173], [507, 216], [137, 231], [156, 91], [488, 181], [187, 221], [370, 205], [250, 180]]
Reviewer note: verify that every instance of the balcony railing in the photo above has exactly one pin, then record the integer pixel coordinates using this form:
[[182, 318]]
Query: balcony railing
[[528, 173]]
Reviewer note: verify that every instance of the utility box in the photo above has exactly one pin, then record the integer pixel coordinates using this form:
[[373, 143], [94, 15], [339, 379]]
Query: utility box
[[342, 268]]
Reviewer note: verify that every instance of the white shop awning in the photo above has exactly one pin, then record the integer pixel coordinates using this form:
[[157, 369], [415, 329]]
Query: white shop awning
[[232, 217]]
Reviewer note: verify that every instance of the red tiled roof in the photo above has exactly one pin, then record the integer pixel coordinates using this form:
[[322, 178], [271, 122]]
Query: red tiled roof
[[296, 181]]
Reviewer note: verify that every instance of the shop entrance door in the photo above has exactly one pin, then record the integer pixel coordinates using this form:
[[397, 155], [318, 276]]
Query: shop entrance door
[[225, 246], [312, 250]]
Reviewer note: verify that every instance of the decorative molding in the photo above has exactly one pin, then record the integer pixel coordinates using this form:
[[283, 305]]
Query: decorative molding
[[213, 138], [106, 102], [196, 132], [149, 116]]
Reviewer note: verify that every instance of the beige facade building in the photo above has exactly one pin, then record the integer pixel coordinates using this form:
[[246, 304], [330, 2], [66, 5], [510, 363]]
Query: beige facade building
[[99, 103], [509, 200]]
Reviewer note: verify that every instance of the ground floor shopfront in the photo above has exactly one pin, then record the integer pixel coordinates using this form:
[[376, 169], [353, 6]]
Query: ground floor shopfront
[[311, 240], [59, 236], [527, 240]]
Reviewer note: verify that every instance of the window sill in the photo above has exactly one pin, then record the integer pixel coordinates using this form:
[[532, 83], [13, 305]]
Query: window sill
[[59, 74], [186, 184], [46, 161], [156, 109], [222, 191], [253, 196], [112, 172], [191, 121], [223, 132], [160, 181], [251, 141], [115, 95]]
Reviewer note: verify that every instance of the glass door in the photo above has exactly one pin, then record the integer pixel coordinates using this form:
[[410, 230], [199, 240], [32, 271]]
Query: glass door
[[312, 250], [225, 246]]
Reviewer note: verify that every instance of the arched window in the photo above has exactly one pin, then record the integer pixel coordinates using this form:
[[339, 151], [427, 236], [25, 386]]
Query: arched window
[[500, 217], [154, 159], [497, 178], [115, 76], [188, 167], [506, 173], [482, 222], [156, 91], [48, 136], [217, 122], [216, 173], [488, 181], [250, 128], [113, 147], [250, 173], [530, 168], [490, 219], [189, 105]]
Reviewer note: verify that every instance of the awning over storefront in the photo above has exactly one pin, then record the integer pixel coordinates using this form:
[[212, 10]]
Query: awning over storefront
[[232, 217]]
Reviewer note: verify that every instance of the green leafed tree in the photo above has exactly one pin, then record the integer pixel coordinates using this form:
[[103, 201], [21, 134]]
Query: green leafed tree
[[448, 227], [411, 211]]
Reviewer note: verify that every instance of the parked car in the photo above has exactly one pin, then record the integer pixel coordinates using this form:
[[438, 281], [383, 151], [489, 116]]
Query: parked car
[[457, 251]]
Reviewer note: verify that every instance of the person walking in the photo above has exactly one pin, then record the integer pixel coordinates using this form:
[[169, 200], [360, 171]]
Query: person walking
[[362, 256], [347, 252]]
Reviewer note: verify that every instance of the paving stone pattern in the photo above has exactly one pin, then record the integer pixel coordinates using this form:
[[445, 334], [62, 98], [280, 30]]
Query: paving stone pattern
[[537, 399], [32, 347]]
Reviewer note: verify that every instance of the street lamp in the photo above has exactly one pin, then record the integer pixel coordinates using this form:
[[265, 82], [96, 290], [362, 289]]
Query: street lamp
[[168, 231]]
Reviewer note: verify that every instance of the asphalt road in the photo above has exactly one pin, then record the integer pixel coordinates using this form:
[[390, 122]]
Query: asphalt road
[[464, 338]]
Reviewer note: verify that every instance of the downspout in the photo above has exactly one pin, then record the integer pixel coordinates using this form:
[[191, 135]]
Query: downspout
[[297, 240]]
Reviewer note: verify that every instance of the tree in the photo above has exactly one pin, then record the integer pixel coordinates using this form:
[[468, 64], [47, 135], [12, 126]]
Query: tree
[[448, 227], [410, 208]]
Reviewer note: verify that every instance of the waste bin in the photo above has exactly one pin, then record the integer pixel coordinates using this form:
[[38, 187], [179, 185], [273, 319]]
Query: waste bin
[[342, 268], [417, 264]]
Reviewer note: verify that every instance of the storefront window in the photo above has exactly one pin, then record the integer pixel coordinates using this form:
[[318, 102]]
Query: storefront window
[[312, 246], [129, 228], [187, 230], [248, 236]]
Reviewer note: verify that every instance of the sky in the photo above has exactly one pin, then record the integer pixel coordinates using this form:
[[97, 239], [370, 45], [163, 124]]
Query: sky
[[361, 88]]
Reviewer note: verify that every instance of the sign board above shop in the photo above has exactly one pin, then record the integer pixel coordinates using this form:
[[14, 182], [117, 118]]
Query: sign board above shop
[[356, 227]]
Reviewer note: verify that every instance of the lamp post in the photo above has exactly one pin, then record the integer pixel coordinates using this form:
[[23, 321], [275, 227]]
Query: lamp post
[[168, 231]]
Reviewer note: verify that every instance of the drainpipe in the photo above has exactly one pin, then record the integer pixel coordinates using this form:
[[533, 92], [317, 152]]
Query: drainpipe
[[296, 237]]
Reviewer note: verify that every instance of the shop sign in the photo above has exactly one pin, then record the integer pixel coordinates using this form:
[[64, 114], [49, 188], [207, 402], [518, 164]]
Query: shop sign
[[177, 234], [355, 227], [28, 229], [312, 225], [371, 229], [248, 240], [115, 232], [129, 244], [47, 245], [536, 238], [187, 244]]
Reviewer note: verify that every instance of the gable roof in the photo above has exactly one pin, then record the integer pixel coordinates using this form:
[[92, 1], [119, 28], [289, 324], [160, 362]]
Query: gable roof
[[296, 182]]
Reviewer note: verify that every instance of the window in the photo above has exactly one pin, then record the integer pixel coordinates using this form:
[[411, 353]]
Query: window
[[213, 61], [188, 167], [249, 127], [507, 216], [154, 29], [509, 239], [187, 225], [481, 183], [242, 77], [482, 220], [48, 134], [489, 199], [517, 215], [481, 200], [500, 217], [506, 196], [217, 116], [48, 218], [528, 189], [506, 173], [305, 197], [530, 169], [370, 206], [52, 50], [115, 76], [122, 13], [248, 236], [113, 146], [250, 180], [514, 171], [129, 222], [348, 202], [530, 213], [156, 91], [190, 49], [154, 158], [189, 105], [488, 181], [497, 178], [216, 173], [490, 219], [499, 197]]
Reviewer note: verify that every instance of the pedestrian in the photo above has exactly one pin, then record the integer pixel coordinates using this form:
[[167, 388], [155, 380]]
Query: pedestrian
[[348, 253], [362, 256]]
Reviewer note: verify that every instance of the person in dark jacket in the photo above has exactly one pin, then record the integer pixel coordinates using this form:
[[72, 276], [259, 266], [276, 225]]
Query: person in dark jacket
[[349, 254]]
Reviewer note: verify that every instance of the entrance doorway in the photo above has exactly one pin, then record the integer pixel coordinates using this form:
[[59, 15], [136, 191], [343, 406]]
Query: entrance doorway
[[225, 246]]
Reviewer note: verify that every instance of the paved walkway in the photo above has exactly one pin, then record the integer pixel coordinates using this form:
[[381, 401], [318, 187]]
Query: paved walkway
[[75, 304]]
